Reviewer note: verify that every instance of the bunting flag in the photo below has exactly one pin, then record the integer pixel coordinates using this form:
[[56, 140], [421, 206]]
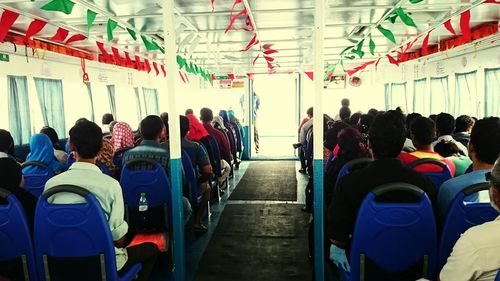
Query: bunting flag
[[392, 60], [372, 45], [212, 2], [34, 27], [110, 27], [91, 15], [252, 43], [155, 66], [60, 35], [64, 6], [149, 46], [6, 22], [425, 44], [104, 53], [448, 26], [357, 69], [75, 38], [310, 74], [163, 70], [231, 76], [182, 76], [128, 60], [492, 1], [181, 61], [405, 18], [138, 64], [147, 65], [465, 25], [117, 56], [158, 47], [358, 51], [132, 33], [387, 33]]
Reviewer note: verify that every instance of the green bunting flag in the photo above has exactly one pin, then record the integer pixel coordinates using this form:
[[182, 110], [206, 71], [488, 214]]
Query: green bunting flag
[[64, 6], [415, 1], [405, 18], [372, 46], [387, 33], [346, 49], [132, 33], [90, 18], [111, 26], [329, 70], [181, 61], [149, 46], [392, 17], [158, 47], [359, 49]]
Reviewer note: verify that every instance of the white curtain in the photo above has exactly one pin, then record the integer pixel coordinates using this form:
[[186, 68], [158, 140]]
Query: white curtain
[[151, 101], [440, 96], [420, 97], [398, 96], [465, 99], [491, 92]]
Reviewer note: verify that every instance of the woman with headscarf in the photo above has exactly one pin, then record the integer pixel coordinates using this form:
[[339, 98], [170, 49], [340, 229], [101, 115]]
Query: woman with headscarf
[[41, 150], [199, 134], [231, 134], [105, 156], [59, 152], [123, 136], [237, 128]]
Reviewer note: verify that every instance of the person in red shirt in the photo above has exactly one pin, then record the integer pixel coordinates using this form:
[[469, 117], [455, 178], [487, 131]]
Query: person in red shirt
[[423, 133]]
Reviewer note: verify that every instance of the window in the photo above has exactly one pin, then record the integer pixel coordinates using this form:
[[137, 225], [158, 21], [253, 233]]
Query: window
[[50, 96], [19, 110], [138, 104], [111, 99], [465, 99], [440, 96], [420, 97], [491, 96], [398, 96], [387, 95], [151, 101]]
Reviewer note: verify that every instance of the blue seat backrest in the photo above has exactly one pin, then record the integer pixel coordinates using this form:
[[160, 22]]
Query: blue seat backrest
[[16, 254], [498, 276], [35, 183], [73, 241], [355, 164], [437, 178], [462, 216], [104, 169], [153, 182], [216, 154], [191, 178], [118, 156], [392, 237], [239, 141]]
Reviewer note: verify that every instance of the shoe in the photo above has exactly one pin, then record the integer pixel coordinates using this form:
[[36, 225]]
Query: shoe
[[296, 145], [302, 171], [200, 229]]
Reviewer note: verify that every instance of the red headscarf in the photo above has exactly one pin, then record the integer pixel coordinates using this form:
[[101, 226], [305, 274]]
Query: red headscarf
[[123, 136], [196, 129]]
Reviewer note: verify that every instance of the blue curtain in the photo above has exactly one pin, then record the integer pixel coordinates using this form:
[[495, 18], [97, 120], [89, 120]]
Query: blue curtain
[[387, 95], [440, 96], [491, 92], [398, 96], [420, 97], [465, 99], [19, 110], [50, 96], [111, 99], [151, 101], [91, 102], [138, 104]]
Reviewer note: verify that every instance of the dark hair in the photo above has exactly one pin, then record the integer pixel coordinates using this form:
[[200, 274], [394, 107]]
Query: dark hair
[[445, 124], [344, 113], [6, 141], [372, 112], [355, 118], [423, 130], [151, 126], [184, 125], [86, 137], [206, 114], [463, 123], [409, 118], [387, 135], [485, 138], [52, 134], [351, 144], [164, 118], [345, 102], [112, 125], [433, 117], [365, 123], [310, 111], [188, 111], [446, 148], [83, 119], [331, 135], [107, 118]]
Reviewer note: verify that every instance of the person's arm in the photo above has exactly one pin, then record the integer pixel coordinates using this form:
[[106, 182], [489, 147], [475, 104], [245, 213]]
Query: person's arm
[[462, 264], [341, 216], [118, 225], [203, 163]]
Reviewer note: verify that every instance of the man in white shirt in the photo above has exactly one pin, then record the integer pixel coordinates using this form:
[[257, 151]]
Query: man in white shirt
[[445, 126], [475, 256], [85, 143]]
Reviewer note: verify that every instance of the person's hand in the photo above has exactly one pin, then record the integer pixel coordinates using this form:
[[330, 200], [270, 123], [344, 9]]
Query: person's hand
[[338, 256]]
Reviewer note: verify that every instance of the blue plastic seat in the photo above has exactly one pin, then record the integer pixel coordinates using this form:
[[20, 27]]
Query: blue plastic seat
[[462, 216], [498, 276], [191, 178], [104, 169], [17, 260], [35, 183], [353, 165], [437, 178], [118, 156], [394, 240], [156, 185], [73, 241]]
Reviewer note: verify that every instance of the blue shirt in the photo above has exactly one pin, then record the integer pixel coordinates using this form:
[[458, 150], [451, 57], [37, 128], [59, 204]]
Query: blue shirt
[[148, 149], [450, 188], [197, 153]]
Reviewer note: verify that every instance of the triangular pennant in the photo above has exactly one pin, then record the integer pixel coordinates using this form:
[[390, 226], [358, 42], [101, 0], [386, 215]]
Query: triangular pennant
[[90, 18], [405, 17], [359, 68], [147, 65], [392, 60], [149, 46], [182, 76], [6, 22], [34, 27], [75, 38], [138, 64], [64, 6], [60, 35], [231, 76], [181, 61], [163, 70], [233, 19], [158, 46], [132, 33], [117, 56], [310, 74], [415, 1], [465, 25], [359, 49], [425, 44], [110, 27], [104, 53], [212, 2], [448, 26], [155, 66], [372, 45], [387, 33], [128, 60]]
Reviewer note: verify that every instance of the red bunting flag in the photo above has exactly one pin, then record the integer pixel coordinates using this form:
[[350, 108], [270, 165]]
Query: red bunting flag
[[182, 76], [213, 77], [250, 76], [310, 74], [60, 35], [231, 76], [376, 64], [425, 44], [465, 25], [105, 54], [34, 27], [6, 22], [138, 63], [492, 1], [147, 65], [128, 60], [356, 69], [117, 56], [392, 60], [155, 66], [75, 38], [448, 26], [163, 70]]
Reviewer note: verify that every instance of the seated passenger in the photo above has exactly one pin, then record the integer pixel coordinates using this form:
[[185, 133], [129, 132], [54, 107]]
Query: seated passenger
[[483, 151], [445, 125], [6, 145], [475, 254], [105, 156], [207, 116], [107, 118], [123, 136], [59, 152], [86, 141], [41, 150], [386, 139], [423, 132], [450, 151], [463, 126], [409, 143]]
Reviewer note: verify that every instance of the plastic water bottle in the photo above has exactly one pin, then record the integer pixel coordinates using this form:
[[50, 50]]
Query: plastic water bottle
[[143, 203]]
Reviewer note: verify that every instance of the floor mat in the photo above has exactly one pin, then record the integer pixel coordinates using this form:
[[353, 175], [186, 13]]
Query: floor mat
[[268, 180], [258, 242]]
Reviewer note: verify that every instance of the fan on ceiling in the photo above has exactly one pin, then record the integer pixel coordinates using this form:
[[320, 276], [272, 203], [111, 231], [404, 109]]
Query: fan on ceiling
[[355, 81]]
